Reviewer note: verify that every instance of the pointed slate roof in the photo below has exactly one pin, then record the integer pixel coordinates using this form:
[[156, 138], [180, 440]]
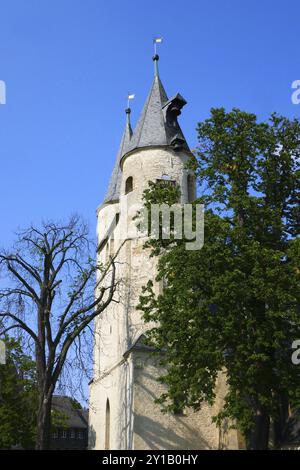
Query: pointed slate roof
[[113, 191], [150, 129], [158, 124]]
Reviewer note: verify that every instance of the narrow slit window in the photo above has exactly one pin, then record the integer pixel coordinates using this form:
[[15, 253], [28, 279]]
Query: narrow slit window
[[129, 185], [191, 188]]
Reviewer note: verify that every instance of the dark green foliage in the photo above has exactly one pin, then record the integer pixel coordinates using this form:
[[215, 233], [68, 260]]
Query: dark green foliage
[[234, 304], [158, 193], [75, 404], [18, 398]]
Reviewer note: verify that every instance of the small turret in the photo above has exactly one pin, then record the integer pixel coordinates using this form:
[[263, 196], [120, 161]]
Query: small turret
[[113, 191]]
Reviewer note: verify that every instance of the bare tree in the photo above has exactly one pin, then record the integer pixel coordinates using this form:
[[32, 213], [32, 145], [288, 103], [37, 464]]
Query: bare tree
[[49, 294]]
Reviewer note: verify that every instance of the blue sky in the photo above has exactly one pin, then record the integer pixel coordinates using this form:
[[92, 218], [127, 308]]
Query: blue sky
[[68, 65]]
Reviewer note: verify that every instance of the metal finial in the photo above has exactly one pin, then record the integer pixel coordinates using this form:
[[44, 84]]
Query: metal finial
[[128, 111], [155, 60]]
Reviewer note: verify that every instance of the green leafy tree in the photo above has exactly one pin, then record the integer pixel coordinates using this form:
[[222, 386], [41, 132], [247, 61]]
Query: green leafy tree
[[234, 304], [18, 398]]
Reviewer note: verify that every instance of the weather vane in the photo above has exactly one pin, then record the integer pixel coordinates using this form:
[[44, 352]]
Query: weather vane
[[155, 42], [129, 98]]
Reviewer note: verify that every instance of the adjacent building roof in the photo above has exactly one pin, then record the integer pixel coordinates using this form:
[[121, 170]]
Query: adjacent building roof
[[76, 418]]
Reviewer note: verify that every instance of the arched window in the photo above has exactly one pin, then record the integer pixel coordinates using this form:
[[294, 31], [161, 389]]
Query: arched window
[[129, 185], [191, 188], [107, 426]]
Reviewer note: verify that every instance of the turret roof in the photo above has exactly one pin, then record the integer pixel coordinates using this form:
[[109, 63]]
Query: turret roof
[[113, 191], [157, 126]]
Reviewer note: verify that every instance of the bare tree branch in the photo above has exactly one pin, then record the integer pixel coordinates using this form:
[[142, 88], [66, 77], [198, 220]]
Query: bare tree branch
[[21, 325], [52, 290]]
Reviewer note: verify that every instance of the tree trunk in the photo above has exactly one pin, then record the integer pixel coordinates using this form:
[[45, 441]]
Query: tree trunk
[[259, 436], [44, 423], [281, 420]]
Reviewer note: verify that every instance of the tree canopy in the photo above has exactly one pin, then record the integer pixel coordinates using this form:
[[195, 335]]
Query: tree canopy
[[234, 304], [18, 398]]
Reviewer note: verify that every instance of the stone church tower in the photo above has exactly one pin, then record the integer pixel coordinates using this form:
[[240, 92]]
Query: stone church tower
[[123, 414]]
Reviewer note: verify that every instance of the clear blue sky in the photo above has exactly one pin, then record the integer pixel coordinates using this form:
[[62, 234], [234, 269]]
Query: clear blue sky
[[68, 65]]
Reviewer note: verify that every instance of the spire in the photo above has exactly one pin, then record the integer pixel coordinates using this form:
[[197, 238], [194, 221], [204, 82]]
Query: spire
[[158, 125], [113, 191]]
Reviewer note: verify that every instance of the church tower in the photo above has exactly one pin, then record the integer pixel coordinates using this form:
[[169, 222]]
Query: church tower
[[123, 414]]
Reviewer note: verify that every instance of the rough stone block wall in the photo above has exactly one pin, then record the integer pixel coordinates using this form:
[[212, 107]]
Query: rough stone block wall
[[140, 425], [156, 430]]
